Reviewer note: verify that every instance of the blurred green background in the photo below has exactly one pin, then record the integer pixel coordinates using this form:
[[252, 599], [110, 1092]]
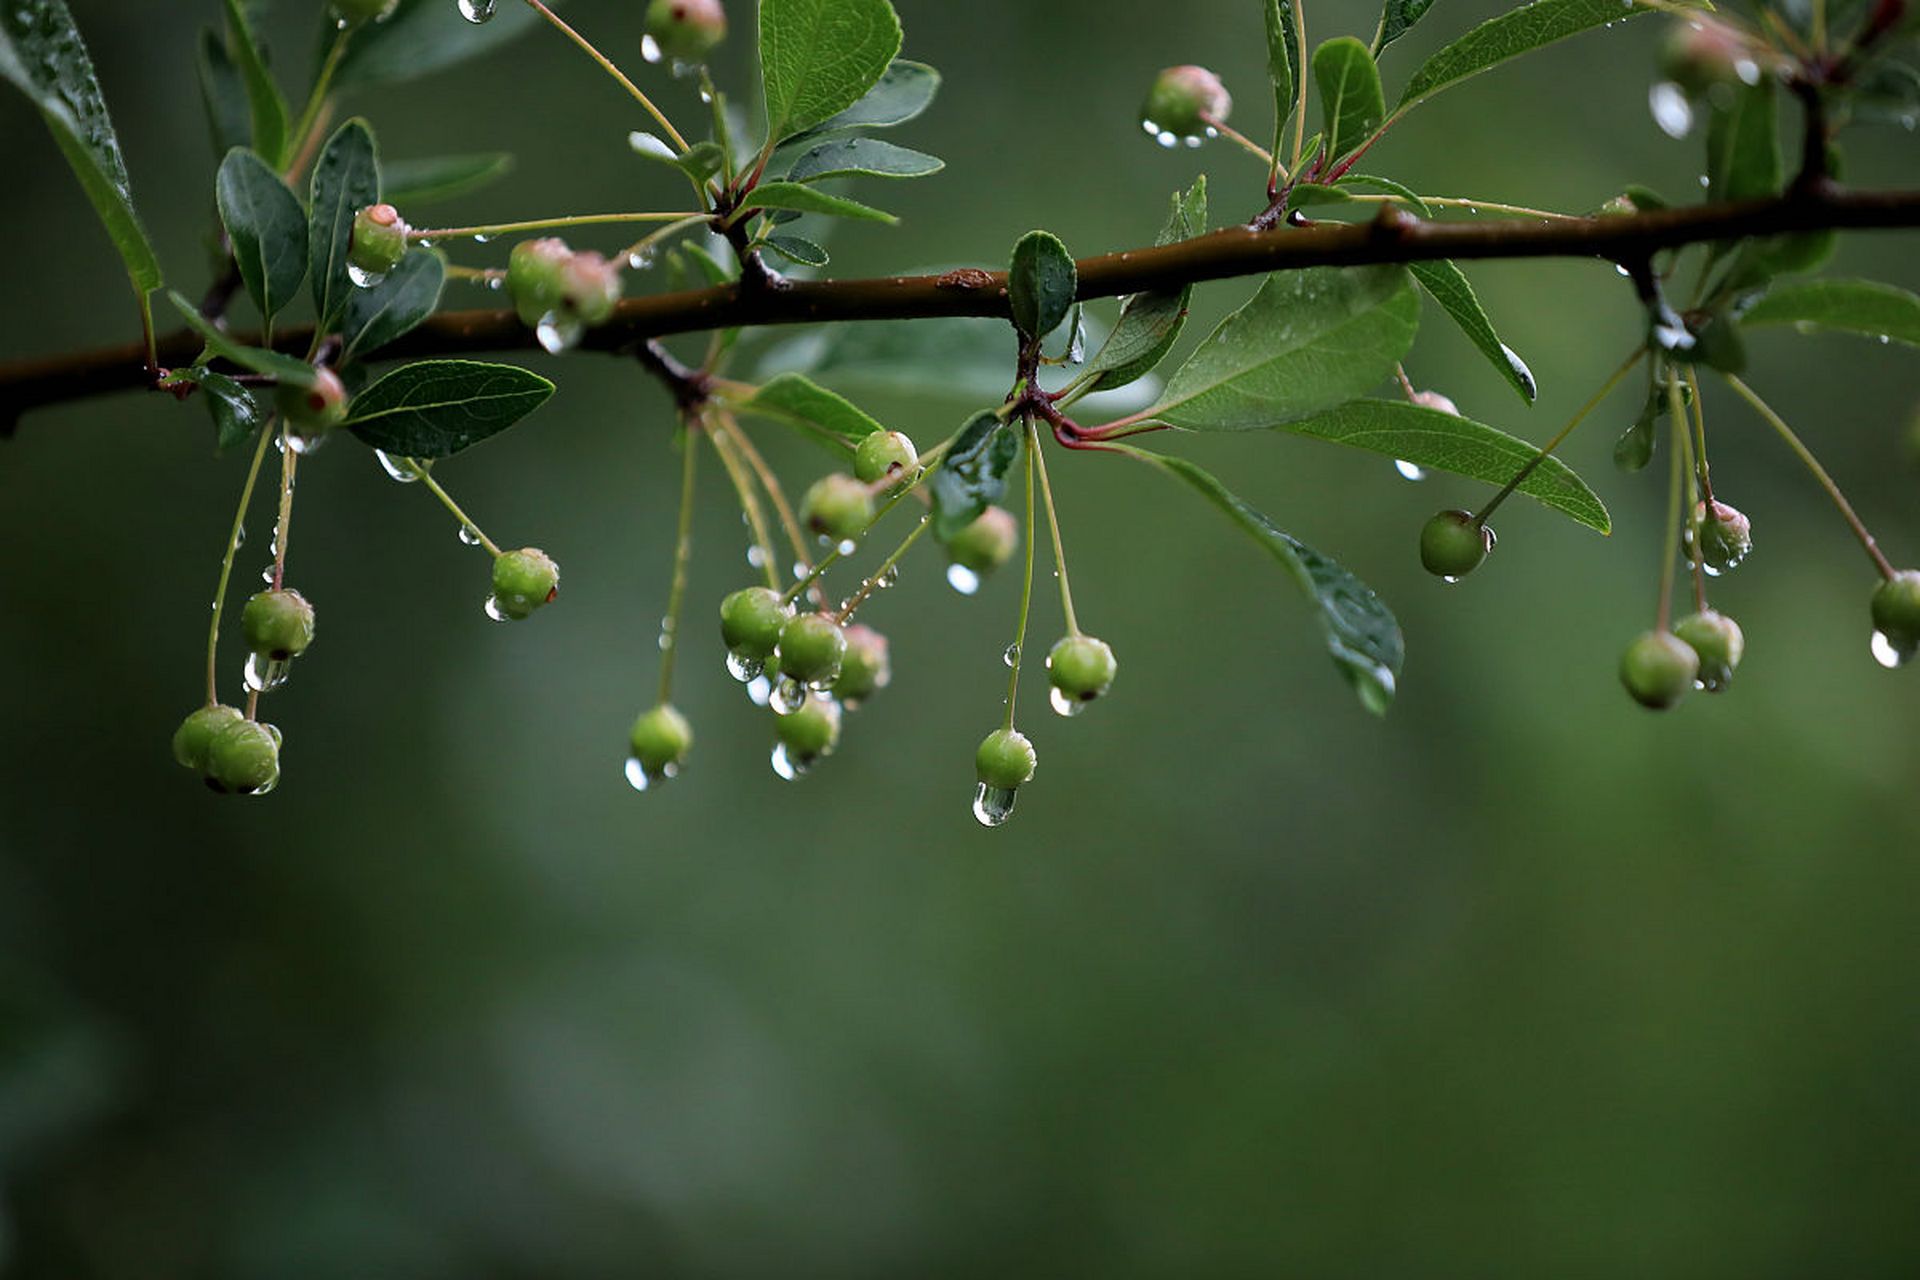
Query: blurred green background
[[1521, 980]]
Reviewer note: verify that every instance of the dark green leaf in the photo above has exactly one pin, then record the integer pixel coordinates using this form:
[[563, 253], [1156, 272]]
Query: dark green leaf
[[1041, 283], [701, 161], [424, 36], [800, 402], [1634, 449], [1508, 36], [266, 107], [407, 183], [438, 407], [223, 96], [1351, 102], [868, 156], [820, 57], [1397, 18], [903, 92], [374, 317], [805, 199], [1864, 307], [266, 228], [1743, 144], [715, 271], [253, 359], [1449, 287], [346, 179], [236, 414], [798, 250], [1150, 322], [973, 474], [1362, 634], [1283, 64], [1371, 182]]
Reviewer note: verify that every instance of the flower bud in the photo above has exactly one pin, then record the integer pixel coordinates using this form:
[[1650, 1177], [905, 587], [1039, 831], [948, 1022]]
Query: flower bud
[[661, 739], [312, 410], [243, 758], [1724, 535], [194, 737], [1080, 668], [1005, 760], [750, 621], [1896, 613], [589, 288]]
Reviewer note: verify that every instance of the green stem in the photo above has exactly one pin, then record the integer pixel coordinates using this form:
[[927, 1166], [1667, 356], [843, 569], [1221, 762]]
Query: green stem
[[1692, 465], [1663, 616], [546, 224], [1700, 436], [1812, 464], [1053, 526], [655, 237], [317, 99], [724, 443], [1300, 71], [446, 500], [783, 510], [226, 564], [1467, 203], [1239, 139], [872, 583], [682, 557], [283, 527], [1026, 595], [827, 561], [1520, 476], [606, 64]]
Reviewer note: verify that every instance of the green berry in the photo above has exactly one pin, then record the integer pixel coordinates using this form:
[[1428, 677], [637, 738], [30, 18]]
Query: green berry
[[1717, 641], [1181, 101], [379, 240], [987, 543], [1896, 612], [278, 624], [1081, 667], [524, 580], [1005, 760], [812, 646], [812, 730], [686, 30], [865, 668], [883, 454], [660, 739], [312, 410], [589, 288], [1658, 668], [365, 10], [243, 758], [750, 621], [1701, 54], [1725, 536], [1453, 544], [534, 270], [196, 732], [837, 507]]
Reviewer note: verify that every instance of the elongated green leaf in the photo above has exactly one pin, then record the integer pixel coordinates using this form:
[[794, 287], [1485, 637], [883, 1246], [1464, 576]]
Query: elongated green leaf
[[267, 108], [798, 401], [1497, 40], [236, 414], [1372, 182], [902, 94], [820, 57], [973, 474], [1864, 307], [374, 317], [266, 227], [438, 407], [424, 36], [1634, 449], [223, 96], [866, 156], [346, 179], [805, 199], [408, 183], [1150, 322], [1041, 283], [1449, 287], [1363, 636], [42, 55], [1283, 69], [1448, 442], [1307, 341], [1743, 144], [253, 359], [799, 250], [1397, 18], [1351, 102], [701, 161]]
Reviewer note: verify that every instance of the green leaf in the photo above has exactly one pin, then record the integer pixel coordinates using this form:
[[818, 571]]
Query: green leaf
[[424, 36], [1363, 636], [973, 474], [1351, 102], [1041, 283], [1397, 18], [1497, 40], [267, 109], [416, 182], [799, 250], [1371, 182], [1150, 322], [223, 96], [346, 179], [1449, 287], [435, 408], [820, 57], [805, 199], [236, 414], [701, 161], [253, 359], [1307, 341], [1634, 449], [867, 156], [1447, 442], [716, 272], [903, 92], [1283, 56], [266, 227], [374, 317], [800, 402], [42, 55], [1743, 144], [1864, 307]]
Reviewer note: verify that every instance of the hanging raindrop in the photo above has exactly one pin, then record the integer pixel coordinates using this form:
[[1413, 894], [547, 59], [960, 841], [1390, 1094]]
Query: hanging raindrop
[[992, 805]]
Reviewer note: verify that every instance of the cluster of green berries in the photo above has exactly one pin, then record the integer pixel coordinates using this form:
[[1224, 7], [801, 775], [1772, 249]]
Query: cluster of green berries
[[1184, 104], [685, 31], [235, 755], [560, 292]]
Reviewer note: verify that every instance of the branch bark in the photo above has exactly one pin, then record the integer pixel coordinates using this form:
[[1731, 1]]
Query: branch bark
[[1234, 251]]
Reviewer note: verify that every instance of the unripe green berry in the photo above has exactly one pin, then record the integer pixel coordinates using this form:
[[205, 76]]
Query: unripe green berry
[[811, 648], [1081, 667], [987, 543], [1717, 641], [1700, 53], [812, 730], [278, 624], [881, 453], [661, 739], [686, 30], [1658, 668], [750, 621], [837, 506], [243, 757], [1896, 612], [523, 581], [1453, 544], [589, 288], [312, 410], [1005, 760], [534, 277], [365, 10], [195, 734], [379, 239], [1181, 101], [1725, 535], [865, 668]]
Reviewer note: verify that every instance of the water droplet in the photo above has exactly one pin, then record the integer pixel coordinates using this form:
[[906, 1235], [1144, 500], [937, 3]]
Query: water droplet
[[1410, 470], [1066, 705], [1887, 653], [1748, 70], [469, 535], [886, 578], [1192, 140], [363, 278], [1449, 578], [557, 334], [649, 48], [641, 778], [239, 536], [847, 546], [1671, 110], [265, 674], [493, 610], [397, 469], [266, 575], [1152, 130], [1011, 655], [760, 690], [992, 805], [482, 238], [476, 11], [640, 259], [744, 667], [789, 767], [962, 579], [787, 696], [1166, 139]]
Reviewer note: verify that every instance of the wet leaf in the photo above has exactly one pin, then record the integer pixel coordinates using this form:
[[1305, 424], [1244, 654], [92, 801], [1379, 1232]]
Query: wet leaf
[[435, 408], [973, 473], [1151, 322], [266, 228], [1397, 18], [266, 107], [701, 160], [1864, 307], [1507, 36], [253, 359], [799, 401], [804, 199], [1041, 282], [1743, 144], [865, 156], [424, 36], [223, 96], [1634, 449], [820, 57], [1283, 69], [1351, 102], [346, 179], [1450, 288], [374, 317], [799, 250], [902, 93]]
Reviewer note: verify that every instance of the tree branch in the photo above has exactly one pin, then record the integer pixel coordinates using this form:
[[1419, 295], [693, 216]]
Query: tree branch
[[1394, 236]]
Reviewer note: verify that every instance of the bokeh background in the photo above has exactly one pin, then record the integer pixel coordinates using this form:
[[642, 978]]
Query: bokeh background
[[1521, 980]]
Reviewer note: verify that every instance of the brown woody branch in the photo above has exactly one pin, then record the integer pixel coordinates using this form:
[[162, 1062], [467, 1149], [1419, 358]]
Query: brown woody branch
[[1394, 236]]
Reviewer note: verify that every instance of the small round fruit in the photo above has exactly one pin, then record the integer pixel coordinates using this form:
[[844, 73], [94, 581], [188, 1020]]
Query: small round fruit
[[314, 409], [379, 239], [811, 648], [661, 738], [1438, 401], [1658, 668], [1700, 54], [1182, 100], [1896, 611], [365, 10], [1081, 667], [811, 731], [987, 543], [883, 454], [1453, 544], [195, 734], [589, 288], [837, 506], [278, 624], [243, 758], [1005, 760], [524, 580], [865, 668], [750, 621], [533, 277], [1724, 534], [686, 30], [1717, 641]]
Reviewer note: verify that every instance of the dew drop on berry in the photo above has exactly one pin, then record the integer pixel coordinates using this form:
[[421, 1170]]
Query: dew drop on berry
[[363, 278], [992, 805], [1887, 653], [962, 579], [641, 778], [469, 535], [263, 675], [1066, 705], [649, 48], [846, 546], [787, 696], [400, 470], [760, 690], [558, 334], [790, 767], [493, 609], [1671, 110], [476, 11], [1409, 470], [744, 667]]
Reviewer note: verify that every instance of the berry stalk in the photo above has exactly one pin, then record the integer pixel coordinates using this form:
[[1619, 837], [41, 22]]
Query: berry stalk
[[607, 65], [1676, 495], [874, 579], [226, 564], [428, 234], [1695, 466], [446, 500], [1580, 416], [1700, 437], [1053, 527], [682, 559], [725, 441], [1026, 591], [283, 526]]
